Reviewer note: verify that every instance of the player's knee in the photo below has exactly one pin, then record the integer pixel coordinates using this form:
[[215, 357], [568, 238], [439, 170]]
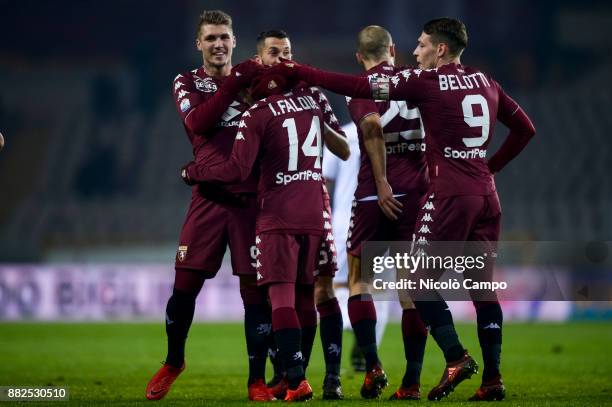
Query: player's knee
[[188, 281], [354, 271], [324, 290], [483, 299], [407, 304], [357, 285], [180, 302], [252, 295], [482, 304], [304, 297], [248, 280]]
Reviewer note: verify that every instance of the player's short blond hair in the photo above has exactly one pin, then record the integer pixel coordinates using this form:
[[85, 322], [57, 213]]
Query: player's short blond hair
[[214, 17], [373, 42]]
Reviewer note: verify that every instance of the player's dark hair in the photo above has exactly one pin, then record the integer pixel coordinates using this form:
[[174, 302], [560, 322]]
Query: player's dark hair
[[214, 17], [449, 31], [373, 42], [261, 38]]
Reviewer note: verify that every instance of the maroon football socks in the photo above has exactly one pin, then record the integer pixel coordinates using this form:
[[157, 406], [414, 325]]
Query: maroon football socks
[[307, 315], [257, 329], [363, 319], [179, 315], [489, 319], [414, 334], [287, 334], [330, 319]]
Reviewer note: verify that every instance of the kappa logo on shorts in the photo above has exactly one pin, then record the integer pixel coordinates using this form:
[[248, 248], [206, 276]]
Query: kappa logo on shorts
[[429, 206], [420, 252], [181, 253], [323, 257], [424, 229], [422, 241]]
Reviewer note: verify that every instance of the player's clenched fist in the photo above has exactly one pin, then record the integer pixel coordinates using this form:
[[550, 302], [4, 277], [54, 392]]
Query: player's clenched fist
[[243, 73], [265, 85], [295, 72], [288, 69]]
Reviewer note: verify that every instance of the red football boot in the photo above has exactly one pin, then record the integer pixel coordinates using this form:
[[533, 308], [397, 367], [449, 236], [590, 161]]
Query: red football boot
[[407, 393], [160, 384], [374, 383], [258, 391], [455, 373], [492, 390], [278, 387], [302, 393]]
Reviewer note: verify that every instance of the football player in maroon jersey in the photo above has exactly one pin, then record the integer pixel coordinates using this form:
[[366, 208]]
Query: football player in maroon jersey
[[459, 107], [392, 181], [271, 46], [283, 133], [209, 103]]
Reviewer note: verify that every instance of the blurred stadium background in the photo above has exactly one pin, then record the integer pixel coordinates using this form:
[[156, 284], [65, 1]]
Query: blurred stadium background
[[91, 199]]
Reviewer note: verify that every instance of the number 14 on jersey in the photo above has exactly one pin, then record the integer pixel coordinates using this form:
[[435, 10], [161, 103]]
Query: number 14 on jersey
[[312, 146]]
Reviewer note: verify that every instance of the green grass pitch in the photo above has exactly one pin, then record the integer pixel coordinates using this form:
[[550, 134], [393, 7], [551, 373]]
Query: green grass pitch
[[543, 364]]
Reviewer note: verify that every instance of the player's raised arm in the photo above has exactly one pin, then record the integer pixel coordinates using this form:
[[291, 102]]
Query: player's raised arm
[[199, 116], [521, 131], [348, 85], [410, 84], [240, 164], [397, 87]]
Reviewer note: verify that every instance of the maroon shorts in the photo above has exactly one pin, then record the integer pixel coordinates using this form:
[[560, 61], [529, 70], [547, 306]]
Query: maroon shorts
[[458, 219], [287, 258], [210, 227], [458, 226], [328, 262], [369, 223]]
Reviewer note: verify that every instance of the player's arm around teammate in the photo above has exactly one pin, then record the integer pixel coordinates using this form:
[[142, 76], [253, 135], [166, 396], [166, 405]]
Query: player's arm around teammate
[[208, 101], [336, 143], [273, 45]]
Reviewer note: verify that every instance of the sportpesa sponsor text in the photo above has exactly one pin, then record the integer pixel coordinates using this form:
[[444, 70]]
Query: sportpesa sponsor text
[[449, 152], [307, 175]]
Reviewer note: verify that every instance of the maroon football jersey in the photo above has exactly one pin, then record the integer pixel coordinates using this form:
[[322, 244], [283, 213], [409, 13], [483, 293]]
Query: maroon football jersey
[[284, 133], [459, 106], [194, 88], [406, 167]]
